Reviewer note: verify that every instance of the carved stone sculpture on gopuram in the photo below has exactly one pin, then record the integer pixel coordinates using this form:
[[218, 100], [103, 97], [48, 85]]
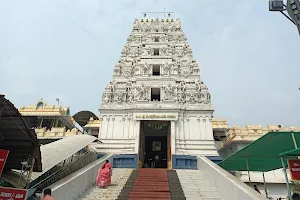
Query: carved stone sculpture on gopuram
[[156, 68]]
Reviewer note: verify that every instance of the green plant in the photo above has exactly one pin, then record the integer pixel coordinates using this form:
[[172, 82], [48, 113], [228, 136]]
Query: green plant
[[295, 186]]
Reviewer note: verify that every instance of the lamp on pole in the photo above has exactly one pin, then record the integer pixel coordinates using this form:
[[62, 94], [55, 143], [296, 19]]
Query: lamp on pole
[[57, 100], [292, 8]]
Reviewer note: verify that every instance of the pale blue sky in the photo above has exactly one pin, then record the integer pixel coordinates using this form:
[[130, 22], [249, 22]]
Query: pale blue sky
[[248, 56]]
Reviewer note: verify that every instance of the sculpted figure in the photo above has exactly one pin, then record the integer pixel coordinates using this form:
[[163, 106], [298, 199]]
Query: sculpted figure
[[119, 64], [142, 92], [131, 38], [180, 37], [127, 71], [128, 94], [166, 68], [179, 52], [144, 52], [118, 68], [134, 52], [178, 63], [207, 98], [198, 91], [178, 24], [146, 37], [118, 97], [125, 50], [162, 38], [145, 68], [181, 92], [117, 71], [169, 92], [136, 24], [170, 37], [107, 97], [172, 49], [153, 38], [198, 85], [149, 51], [174, 69], [187, 49], [202, 97], [196, 96], [130, 97], [163, 51], [124, 96], [111, 86], [192, 97]]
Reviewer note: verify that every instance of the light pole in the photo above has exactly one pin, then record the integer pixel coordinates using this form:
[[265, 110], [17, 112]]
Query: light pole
[[57, 99], [292, 8]]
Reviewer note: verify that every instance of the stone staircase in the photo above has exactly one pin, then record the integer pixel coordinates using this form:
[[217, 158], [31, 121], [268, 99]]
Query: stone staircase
[[158, 184], [119, 179], [196, 187], [148, 184]]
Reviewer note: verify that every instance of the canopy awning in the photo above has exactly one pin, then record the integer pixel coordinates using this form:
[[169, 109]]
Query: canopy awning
[[263, 154], [58, 151], [16, 137], [291, 153]]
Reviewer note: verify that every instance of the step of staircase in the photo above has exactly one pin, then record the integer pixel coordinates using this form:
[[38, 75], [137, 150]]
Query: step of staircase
[[119, 179], [146, 184], [196, 187], [151, 184]]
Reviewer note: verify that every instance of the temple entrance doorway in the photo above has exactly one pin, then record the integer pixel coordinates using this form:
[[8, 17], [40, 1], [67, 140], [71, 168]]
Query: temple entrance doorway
[[155, 146]]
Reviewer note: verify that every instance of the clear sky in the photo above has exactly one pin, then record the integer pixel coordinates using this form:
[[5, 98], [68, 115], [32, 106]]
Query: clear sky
[[248, 56]]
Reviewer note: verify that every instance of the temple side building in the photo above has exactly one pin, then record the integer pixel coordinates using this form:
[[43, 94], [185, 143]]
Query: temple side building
[[50, 122], [237, 138]]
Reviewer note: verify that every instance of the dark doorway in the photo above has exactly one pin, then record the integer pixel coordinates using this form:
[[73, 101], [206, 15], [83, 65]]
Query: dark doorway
[[155, 144], [156, 151]]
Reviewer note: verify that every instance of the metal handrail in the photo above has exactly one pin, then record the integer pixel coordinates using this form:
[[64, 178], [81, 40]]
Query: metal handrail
[[68, 168]]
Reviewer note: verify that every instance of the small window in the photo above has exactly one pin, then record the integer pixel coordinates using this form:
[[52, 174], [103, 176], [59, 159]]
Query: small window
[[155, 94], [156, 39], [156, 52], [156, 70]]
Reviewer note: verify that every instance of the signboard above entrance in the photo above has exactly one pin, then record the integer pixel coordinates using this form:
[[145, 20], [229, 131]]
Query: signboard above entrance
[[155, 116]]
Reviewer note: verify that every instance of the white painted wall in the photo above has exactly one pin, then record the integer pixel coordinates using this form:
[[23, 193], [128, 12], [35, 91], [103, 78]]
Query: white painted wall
[[229, 186], [275, 181], [275, 190], [191, 133], [72, 186]]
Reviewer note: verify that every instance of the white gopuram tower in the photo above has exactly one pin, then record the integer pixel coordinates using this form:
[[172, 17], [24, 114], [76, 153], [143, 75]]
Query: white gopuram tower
[[157, 80]]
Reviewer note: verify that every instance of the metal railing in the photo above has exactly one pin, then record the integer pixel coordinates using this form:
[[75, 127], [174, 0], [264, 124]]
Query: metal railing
[[66, 167]]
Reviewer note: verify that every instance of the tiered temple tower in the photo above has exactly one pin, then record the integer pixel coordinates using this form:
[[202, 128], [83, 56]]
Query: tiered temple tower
[[157, 80]]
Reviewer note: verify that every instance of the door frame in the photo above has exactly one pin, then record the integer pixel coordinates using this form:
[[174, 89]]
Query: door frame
[[141, 151]]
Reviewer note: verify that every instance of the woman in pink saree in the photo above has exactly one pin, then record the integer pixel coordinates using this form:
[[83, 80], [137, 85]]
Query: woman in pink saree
[[104, 175]]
